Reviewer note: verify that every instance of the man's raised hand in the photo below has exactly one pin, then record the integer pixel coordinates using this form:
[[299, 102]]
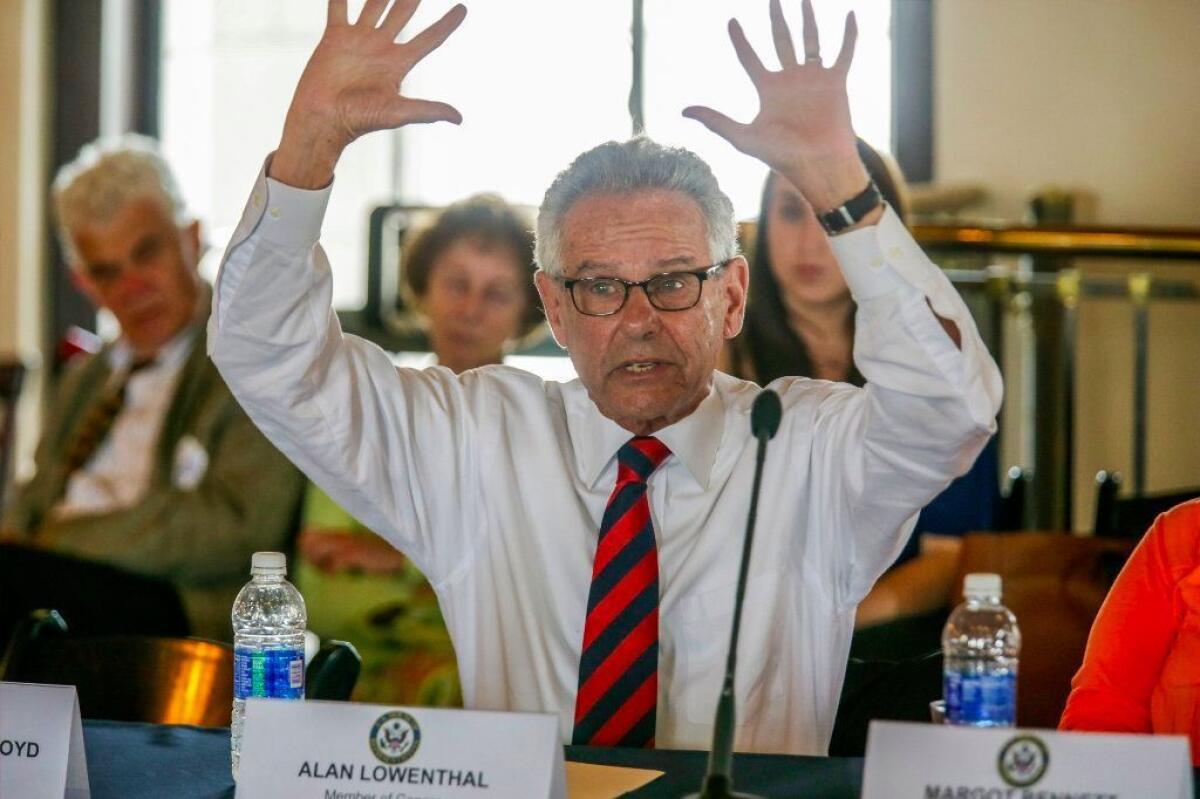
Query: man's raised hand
[[802, 129], [351, 86]]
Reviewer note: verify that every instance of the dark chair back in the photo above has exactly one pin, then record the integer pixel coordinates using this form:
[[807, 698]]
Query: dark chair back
[[95, 598], [1012, 514], [888, 690], [1131, 517], [153, 679], [131, 677], [333, 672], [12, 377], [1108, 486], [39, 624], [1054, 583]]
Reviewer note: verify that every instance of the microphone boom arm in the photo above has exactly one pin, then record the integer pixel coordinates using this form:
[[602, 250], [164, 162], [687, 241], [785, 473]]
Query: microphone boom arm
[[718, 781]]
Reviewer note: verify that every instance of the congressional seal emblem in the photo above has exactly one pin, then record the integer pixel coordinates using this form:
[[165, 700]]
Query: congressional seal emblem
[[1023, 761], [395, 737]]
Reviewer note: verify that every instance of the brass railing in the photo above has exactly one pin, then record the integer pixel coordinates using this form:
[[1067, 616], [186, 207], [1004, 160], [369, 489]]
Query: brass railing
[[1069, 242], [1044, 290]]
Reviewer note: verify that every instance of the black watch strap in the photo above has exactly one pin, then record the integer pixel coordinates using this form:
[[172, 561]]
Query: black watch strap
[[853, 211]]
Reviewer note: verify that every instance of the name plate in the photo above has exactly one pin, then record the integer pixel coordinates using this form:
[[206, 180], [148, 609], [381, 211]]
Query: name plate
[[927, 761], [41, 742], [345, 750]]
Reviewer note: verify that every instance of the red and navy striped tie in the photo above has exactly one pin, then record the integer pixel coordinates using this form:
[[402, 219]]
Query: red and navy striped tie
[[618, 667]]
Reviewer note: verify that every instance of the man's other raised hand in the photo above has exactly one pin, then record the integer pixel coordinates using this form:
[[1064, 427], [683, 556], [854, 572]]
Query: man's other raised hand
[[351, 87], [802, 129]]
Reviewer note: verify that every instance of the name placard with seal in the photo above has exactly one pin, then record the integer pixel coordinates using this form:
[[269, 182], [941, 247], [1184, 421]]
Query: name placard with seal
[[41, 742], [344, 750], [927, 761]]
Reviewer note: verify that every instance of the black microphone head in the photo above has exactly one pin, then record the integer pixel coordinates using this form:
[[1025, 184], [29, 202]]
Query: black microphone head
[[765, 414]]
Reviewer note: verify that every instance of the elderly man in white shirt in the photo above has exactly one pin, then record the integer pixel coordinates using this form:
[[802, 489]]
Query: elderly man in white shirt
[[583, 538]]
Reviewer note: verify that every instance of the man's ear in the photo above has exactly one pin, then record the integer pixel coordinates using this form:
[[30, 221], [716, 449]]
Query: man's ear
[[551, 303], [191, 240], [736, 287]]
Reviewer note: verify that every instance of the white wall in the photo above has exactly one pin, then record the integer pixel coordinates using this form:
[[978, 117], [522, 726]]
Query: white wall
[[1097, 94], [1101, 96], [22, 157]]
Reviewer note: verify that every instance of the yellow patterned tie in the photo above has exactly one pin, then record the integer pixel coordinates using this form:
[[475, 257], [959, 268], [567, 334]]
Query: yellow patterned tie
[[99, 421]]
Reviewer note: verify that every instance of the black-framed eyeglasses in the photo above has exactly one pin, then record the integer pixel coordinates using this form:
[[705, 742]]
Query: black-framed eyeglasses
[[668, 291]]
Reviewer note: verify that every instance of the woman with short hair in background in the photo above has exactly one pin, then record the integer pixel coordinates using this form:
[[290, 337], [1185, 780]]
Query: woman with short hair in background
[[470, 275]]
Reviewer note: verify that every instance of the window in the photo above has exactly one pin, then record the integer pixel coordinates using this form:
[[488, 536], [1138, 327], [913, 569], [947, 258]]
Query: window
[[689, 61], [537, 82], [229, 68]]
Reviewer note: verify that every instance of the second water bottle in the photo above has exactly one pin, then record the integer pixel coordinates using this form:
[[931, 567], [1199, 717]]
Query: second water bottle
[[980, 646], [268, 641]]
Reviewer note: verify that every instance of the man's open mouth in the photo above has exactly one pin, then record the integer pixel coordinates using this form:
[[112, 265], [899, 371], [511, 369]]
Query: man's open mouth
[[640, 367]]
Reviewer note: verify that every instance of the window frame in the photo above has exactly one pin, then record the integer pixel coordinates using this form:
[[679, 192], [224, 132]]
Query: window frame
[[912, 75]]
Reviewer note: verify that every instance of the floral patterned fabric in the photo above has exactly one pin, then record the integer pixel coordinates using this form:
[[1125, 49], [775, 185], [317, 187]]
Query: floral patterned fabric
[[392, 619]]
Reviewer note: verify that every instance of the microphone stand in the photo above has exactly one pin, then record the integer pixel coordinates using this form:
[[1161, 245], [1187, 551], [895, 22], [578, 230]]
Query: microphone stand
[[718, 781]]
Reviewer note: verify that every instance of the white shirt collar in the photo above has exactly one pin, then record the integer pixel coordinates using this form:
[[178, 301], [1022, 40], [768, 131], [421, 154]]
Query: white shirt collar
[[694, 440], [171, 354], [175, 351]]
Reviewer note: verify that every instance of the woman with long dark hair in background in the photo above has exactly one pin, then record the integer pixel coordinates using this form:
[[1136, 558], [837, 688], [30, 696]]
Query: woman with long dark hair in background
[[800, 320]]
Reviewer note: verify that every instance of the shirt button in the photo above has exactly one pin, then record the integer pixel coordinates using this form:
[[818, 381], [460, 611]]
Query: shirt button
[[256, 200], [895, 252], [877, 263], [274, 212]]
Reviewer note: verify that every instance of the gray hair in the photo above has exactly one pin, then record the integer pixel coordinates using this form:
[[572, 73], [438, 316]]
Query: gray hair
[[628, 166], [105, 176]]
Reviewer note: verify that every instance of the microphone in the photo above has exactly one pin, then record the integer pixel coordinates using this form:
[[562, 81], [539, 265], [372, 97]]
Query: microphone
[[765, 416]]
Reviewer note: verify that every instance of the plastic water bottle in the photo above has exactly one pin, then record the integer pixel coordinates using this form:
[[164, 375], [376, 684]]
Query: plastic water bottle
[[268, 641], [980, 646]]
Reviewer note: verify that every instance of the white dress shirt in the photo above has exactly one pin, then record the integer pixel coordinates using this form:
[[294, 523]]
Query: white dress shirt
[[494, 482], [119, 471], [547, 367]]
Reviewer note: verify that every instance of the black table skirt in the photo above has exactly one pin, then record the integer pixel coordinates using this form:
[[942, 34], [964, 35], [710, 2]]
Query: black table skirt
[[146, 761]]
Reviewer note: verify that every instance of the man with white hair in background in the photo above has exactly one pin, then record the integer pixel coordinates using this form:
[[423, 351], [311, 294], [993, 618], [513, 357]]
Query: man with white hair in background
[[146, 461], [584, 538]]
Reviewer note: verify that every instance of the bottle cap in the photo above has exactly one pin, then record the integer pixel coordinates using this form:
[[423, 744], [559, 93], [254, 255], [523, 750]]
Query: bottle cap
[[269, 561], [981, 585]]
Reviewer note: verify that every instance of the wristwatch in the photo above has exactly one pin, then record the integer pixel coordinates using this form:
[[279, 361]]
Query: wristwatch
[[853, 211]]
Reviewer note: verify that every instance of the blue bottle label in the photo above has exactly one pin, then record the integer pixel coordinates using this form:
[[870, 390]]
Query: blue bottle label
[[271, 673], [986, 700]]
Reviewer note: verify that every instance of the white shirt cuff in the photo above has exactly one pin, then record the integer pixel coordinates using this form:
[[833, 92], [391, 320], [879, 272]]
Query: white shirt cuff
[[286, 218], [292, 217], [879, 259]]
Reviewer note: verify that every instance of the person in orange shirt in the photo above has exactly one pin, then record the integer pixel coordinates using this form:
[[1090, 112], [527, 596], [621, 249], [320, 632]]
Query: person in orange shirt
[[1141, 669]]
